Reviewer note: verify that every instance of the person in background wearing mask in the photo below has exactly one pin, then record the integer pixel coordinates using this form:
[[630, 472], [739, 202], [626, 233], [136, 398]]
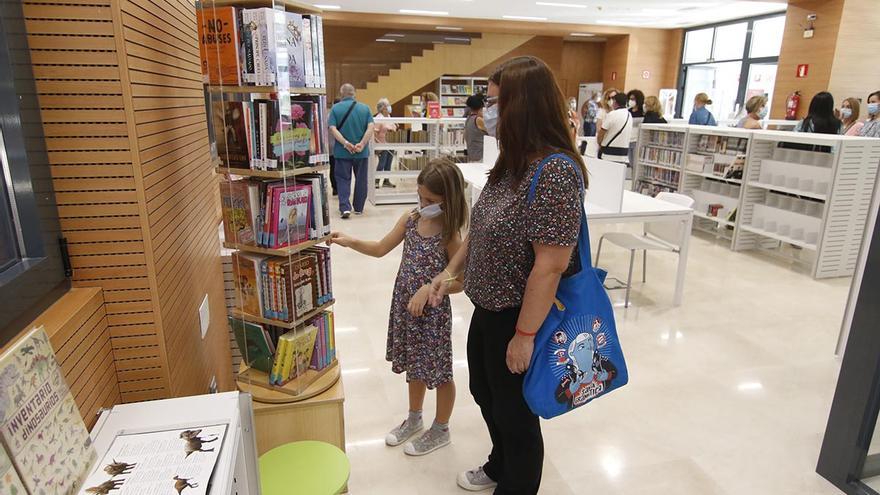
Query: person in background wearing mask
[[589, 113], [701, 115], [380, 130], [849, 115], [574, 122], [636, 103], [614, 135], [820, 119], [474, 129], [756, 109], [653, 111], [606, 106], [872, 125]]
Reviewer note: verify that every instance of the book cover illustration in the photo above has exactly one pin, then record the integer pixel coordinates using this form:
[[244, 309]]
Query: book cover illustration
[[303, 346], [295, 51], [248, 280], [40, 424], [230, 132], [255, 347], [303, 284], [238, 218], [177, 461], [218, 37], [10, 483], [292, 216]]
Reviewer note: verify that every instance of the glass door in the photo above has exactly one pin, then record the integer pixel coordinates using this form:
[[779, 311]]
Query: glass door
[[762, 80], [720, 81]]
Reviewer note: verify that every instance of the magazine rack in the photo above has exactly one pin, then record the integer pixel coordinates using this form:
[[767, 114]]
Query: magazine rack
[[266, 97]]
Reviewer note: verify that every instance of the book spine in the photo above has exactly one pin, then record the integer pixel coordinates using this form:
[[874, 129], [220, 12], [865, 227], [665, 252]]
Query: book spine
[[256, 45], [285, 307], [264, 290], [278, 292], [278, 363], [263, 135], [316, 210], [270, 46], [307, 51], [289, 357], [315, 60], [247, 47], [270, 288], [331, 320], [321, 51]]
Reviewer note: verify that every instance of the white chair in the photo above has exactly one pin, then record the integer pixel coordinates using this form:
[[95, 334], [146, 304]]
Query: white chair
[[657, 236]]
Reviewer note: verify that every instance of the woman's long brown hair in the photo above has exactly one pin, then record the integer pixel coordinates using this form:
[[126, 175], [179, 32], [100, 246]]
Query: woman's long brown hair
[[532, 120], [442, 177]]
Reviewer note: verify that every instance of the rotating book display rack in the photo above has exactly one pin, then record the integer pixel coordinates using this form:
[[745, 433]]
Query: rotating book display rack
[[263, 69]]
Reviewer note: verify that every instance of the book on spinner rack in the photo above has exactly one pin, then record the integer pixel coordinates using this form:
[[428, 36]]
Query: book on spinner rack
[[219, 45]]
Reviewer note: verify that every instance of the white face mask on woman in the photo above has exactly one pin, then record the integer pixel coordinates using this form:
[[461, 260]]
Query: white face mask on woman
[[846, 112], [490, 119]]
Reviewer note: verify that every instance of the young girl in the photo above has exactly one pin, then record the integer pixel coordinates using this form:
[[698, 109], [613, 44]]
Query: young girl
[[419, 335]]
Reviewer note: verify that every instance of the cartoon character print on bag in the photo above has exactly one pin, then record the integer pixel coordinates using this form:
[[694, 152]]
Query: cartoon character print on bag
[[584, 372]]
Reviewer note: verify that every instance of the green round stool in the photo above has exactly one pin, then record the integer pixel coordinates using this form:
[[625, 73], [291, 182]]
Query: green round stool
[[314, 468]]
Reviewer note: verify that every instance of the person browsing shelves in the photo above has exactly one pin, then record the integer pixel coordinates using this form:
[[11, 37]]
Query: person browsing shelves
[[614, 134]]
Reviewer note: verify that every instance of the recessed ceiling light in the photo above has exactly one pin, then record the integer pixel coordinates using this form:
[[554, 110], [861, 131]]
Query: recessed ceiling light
[[447, 38], [559, 4], [448, 28], [395, 35], [582, 35], [385, 40], [327, 7], [423, 12], [524, 18]]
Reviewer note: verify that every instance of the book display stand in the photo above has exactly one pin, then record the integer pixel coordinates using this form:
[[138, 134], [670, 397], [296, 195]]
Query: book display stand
[[263, 69]]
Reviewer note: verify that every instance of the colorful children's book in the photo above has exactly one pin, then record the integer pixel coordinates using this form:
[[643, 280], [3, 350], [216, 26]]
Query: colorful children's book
[[218, 40], [302, 131], [303, 346], [248, 281], [40, 424], [238, 218], [303, 287], [290, 218], [253, 341], [278, 363]]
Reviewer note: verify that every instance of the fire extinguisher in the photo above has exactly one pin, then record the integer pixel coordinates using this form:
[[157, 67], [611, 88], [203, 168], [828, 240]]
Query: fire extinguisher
[[791, 105]]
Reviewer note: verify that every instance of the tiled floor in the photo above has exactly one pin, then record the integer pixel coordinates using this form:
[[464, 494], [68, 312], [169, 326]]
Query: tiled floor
[[728, 394]]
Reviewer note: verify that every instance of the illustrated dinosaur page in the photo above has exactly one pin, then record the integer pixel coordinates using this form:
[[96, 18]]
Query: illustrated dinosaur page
[[40, 425], [168, 462]]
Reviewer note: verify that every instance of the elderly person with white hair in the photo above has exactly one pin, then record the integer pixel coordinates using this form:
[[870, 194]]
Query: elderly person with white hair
[[380, 131], [351, 124]]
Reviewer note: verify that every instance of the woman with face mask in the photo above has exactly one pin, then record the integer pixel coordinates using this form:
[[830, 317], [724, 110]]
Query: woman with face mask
[[574, 122], [756, 109], [636, 103], [849, 115], [606, 105], [872, 125]]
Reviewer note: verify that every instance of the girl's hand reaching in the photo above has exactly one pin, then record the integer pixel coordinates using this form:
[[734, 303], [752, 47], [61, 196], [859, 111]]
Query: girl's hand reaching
[[339, 238], [417, 304]]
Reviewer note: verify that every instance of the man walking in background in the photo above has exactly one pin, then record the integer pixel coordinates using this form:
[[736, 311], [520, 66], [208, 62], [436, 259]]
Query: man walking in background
[[351, 124]]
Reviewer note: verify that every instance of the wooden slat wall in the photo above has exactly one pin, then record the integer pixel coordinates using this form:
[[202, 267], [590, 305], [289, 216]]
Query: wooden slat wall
[[182, 202], [75, 64], [78, 328], [123, 114]]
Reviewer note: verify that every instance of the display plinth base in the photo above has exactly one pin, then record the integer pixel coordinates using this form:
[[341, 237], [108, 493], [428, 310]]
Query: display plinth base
[[304, 387]]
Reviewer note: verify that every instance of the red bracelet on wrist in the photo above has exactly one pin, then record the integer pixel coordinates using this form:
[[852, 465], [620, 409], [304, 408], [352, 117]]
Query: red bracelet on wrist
[[525, 334]]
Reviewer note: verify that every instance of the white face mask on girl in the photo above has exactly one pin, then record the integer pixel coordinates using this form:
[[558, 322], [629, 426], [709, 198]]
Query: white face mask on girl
[[873, 108], [430, 211], [846, 112]]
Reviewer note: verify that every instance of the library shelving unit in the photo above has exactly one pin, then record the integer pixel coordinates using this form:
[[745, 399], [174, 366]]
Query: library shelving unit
[[454, 91], [660, 158], [715, 163], [807, 197], [416, 141]]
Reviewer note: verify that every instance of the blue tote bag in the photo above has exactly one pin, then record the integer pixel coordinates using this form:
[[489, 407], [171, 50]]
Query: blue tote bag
[[577, 355]]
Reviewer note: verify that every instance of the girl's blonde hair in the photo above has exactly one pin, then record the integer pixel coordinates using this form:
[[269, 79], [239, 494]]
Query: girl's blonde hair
[[703, 98], [854, 105], [652, 104], [442, 177]]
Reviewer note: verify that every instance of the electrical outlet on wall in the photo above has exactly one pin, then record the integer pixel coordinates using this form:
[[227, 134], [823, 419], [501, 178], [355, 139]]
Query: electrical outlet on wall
[[204, 316]]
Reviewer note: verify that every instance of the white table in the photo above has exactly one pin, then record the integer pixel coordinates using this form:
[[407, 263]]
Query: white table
[[635, 208]]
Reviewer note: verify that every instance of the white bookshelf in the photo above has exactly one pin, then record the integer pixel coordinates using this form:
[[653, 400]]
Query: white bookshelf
[[445, 137], [708, 177], [454, 91], [659, 158], [815, 200]]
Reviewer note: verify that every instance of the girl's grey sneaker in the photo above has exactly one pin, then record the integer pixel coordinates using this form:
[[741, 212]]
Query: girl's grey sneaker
[[475, 480], [403, 432], [430, 441]]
